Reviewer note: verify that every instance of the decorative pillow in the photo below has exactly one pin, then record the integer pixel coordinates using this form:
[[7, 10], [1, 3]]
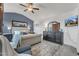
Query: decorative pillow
[[23, 49], [9, 37]]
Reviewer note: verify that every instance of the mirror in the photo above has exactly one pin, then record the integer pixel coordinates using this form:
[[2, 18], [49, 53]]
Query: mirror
[[54, 26]]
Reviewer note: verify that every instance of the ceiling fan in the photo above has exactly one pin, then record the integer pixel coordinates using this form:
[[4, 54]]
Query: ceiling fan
[[30, 7]]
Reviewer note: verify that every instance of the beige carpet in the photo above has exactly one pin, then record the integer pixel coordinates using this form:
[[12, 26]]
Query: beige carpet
[[46, 48]]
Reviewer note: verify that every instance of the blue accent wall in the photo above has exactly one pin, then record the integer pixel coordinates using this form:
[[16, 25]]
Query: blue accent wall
[[9, 16]]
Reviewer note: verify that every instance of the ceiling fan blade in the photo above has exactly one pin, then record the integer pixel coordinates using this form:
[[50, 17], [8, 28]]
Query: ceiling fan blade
[[22, 5], [32, 11], [30, 3], [36, 8], [25, 9]]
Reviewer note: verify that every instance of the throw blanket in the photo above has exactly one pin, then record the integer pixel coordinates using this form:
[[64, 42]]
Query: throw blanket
[[7, 50]]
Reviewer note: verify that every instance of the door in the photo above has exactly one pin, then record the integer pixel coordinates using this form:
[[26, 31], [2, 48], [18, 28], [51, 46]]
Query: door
[[1, 17]]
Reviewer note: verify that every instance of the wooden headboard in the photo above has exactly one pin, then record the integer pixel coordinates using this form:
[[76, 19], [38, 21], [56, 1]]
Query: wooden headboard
[[21, 29]]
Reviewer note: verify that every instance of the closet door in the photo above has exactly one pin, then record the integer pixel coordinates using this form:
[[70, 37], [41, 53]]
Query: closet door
[[1, 17]]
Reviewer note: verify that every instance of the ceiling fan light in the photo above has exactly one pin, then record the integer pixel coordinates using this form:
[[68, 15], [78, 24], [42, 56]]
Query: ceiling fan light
[[30, 9]]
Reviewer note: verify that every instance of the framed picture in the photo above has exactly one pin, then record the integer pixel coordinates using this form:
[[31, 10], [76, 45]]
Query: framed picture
[[71, 21], [19, 24]]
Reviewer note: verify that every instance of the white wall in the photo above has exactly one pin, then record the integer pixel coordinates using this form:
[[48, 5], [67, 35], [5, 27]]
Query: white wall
[[39, 28]]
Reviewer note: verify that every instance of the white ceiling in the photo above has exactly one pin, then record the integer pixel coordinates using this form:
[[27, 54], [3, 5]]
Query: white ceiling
[[47, 10]]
